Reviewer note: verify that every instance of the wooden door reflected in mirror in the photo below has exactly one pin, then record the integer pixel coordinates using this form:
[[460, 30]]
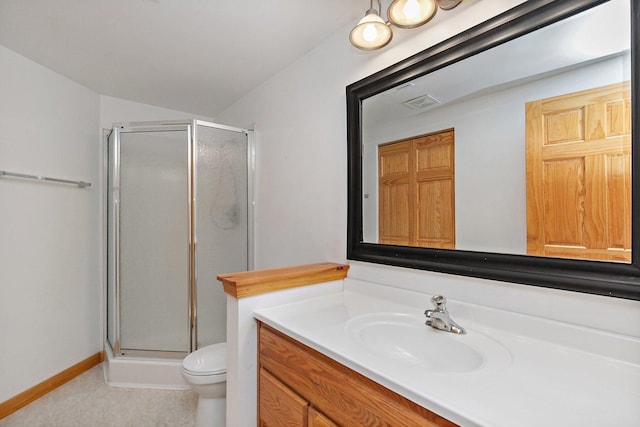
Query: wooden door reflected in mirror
[[579, 174], [416, 188]]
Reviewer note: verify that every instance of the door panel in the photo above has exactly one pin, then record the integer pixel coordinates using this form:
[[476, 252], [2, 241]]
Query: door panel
[[564, 202], [579, 174], [416, 191], [395, 190], [435, 214]]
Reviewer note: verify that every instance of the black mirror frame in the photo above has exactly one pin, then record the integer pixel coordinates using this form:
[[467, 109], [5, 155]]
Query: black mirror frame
[[594, 277]]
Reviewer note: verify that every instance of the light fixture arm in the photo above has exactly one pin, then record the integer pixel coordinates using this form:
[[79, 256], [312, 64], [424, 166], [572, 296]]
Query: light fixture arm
[[372, 10]]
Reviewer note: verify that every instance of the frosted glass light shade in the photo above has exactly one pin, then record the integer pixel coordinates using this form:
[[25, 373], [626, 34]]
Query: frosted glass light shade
[[371, 33], [411, 13]]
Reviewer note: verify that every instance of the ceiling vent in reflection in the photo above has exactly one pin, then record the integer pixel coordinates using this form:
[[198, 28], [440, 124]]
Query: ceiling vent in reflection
[[421, 102]]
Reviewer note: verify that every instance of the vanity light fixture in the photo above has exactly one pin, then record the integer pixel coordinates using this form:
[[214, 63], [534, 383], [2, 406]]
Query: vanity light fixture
[[411, 13], [372, 32]]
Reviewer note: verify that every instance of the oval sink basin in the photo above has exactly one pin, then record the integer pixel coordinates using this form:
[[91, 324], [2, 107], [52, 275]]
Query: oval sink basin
[[405, 338]]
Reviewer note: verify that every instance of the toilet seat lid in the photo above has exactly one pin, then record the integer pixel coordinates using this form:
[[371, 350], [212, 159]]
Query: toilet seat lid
[[209, 360]]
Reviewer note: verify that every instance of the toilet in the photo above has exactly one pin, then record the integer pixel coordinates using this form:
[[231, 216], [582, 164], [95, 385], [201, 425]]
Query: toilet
[[206, 372]]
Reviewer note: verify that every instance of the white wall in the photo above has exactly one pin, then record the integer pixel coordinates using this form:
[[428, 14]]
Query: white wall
[[300, 124], [49, 293], [117, 110], [51, 235], [301, 151]]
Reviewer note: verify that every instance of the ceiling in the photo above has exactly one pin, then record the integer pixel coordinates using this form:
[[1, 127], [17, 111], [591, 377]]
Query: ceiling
[[196, 56], [583, 39]]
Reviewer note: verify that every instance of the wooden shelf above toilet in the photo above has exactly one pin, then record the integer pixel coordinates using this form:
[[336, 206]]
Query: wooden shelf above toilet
[[257, 282]]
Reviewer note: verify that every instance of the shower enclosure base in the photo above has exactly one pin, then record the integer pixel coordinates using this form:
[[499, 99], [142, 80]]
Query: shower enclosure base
[[138, 372]]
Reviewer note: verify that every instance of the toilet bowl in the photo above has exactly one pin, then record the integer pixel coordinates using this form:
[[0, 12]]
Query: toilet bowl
[[206, 372]]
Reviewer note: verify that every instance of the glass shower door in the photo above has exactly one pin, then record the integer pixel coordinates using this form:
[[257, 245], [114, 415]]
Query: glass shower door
[[154, 240]]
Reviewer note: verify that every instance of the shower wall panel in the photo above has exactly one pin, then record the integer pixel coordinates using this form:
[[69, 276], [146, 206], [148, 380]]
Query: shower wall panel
[[221, 223]]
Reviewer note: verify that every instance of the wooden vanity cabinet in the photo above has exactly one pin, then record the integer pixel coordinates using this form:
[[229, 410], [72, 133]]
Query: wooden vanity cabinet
[[298, 386]]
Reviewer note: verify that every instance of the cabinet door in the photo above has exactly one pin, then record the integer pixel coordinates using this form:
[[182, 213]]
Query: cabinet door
[[278, 405], [317, 419]]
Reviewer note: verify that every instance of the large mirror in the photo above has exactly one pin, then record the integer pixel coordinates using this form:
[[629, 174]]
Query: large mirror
[[504, 152]]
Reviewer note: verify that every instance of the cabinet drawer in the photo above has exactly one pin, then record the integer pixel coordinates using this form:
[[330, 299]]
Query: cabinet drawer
[[344, 395]]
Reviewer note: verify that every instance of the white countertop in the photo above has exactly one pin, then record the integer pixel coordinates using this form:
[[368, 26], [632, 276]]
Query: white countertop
[[533, 372]]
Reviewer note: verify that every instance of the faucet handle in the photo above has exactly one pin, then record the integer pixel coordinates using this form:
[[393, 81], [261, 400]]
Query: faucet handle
[[439, 302]]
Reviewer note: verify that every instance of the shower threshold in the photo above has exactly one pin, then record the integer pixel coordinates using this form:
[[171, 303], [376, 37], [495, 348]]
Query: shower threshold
[[144, 371]]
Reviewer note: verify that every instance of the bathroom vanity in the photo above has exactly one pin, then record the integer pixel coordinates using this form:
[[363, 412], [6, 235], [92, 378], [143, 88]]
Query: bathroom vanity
[[365, 357], [299, 386], [312, 346]]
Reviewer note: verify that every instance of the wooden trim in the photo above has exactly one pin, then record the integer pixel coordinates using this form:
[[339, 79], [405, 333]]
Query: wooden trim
[[257, 282], [13, 404]]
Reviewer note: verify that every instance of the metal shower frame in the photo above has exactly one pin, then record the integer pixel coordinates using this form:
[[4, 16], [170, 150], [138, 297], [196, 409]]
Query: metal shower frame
[[191, 127]]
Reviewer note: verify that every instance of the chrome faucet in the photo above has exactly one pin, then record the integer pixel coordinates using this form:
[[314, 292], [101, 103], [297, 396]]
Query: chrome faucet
[[439, 317]]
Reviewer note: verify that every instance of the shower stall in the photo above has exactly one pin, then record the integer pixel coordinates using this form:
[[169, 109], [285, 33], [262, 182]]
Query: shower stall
[[179, 212]]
